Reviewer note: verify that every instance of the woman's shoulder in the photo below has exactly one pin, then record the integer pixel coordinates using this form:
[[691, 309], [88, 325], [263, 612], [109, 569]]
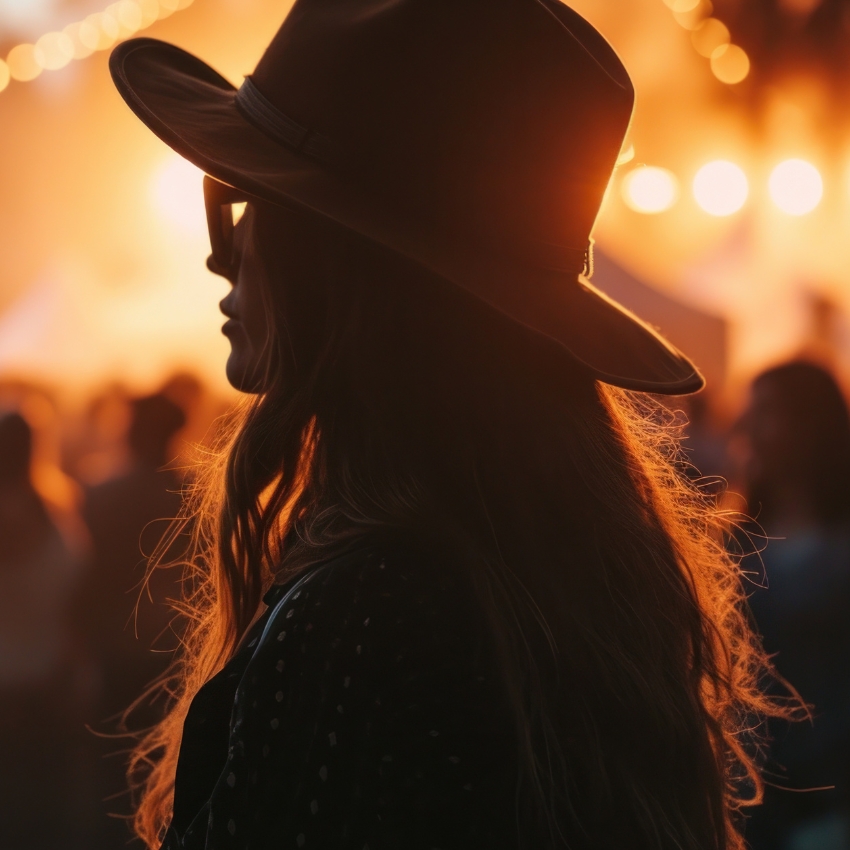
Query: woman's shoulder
[[409, 570], [404, 591]]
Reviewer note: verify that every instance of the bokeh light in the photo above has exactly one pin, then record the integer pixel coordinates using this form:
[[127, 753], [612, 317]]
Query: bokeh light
[[178, 195], [54, 50], [75, 33], [796, 186], [22, 63], [721, 188], [682, 5], [730, 64], [691, 19], [99, 31], [709, 36], [149, 10], [89, 33], [109, 28], [650, 190], [129, 15], [170, 6]]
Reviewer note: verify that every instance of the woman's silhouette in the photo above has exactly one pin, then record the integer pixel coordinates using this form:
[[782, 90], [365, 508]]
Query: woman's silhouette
[[494, 615]]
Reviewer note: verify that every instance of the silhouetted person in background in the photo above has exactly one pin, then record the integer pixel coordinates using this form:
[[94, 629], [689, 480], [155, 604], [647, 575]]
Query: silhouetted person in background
[[797, 473], [37, 707], [126, 619]]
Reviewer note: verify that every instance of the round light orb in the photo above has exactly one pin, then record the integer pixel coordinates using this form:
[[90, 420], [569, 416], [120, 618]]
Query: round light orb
[[692, 19], [178, 195], [22, 63], [73, 32], [710, 35], [150, 12], [88, 34], [721, 188], [682, 5], [650, 190], [730, 64], [129, 16], [796, 186], [5, 76], [54, 50], [110, 29]]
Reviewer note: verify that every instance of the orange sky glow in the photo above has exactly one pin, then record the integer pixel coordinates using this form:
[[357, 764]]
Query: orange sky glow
[[102, 228]]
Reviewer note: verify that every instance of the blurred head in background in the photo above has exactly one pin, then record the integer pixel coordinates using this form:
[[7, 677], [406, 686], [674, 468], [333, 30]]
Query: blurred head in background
[[24, 521], [797, 431], [15, 449], [155, 419]]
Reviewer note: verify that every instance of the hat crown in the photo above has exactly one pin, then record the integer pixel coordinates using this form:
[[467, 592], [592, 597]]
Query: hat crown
[[502, 118]]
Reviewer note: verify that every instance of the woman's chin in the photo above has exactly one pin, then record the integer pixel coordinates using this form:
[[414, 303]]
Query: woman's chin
[[243, 377]]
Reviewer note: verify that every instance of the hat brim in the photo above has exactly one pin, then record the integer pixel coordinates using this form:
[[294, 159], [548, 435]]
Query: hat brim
[[192, 108]]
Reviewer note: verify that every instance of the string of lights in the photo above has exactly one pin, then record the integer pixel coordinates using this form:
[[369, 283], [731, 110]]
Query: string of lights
[[711, 39], [721, 188], [79, 40]]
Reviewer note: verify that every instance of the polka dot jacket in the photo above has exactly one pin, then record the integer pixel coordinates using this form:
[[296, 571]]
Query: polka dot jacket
[[362, 712]]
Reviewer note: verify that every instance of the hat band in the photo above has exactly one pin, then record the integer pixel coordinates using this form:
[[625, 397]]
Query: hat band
[[265, 116]]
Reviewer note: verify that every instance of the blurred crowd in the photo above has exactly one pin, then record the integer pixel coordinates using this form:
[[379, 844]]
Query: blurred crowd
[[786, 458], [86, 495]]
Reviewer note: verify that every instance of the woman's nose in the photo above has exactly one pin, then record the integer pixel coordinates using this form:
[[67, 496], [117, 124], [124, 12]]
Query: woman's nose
[[216, 268]]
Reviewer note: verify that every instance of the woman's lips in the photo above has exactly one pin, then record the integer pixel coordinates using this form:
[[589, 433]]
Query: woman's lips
[[230, 327]]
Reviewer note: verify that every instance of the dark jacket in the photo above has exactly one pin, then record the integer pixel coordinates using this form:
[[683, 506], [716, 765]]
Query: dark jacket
[[364, 710]]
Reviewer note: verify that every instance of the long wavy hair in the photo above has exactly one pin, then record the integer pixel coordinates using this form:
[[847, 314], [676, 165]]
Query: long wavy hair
[[394, 402]]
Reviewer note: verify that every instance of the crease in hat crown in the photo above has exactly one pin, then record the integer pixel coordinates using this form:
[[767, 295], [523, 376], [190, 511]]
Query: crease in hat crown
[[476, 137]]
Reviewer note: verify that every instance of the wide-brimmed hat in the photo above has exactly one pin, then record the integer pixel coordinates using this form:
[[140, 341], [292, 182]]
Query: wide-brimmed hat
[[475, 137]]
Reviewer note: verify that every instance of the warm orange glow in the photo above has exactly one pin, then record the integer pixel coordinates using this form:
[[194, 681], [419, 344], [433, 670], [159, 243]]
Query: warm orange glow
[[801, 7], [78, 40], [92, 35], [149, 10], [721, 188], [54, 51], [238, 211], [110, 30], [650, 190], [730, 64], [75, 33], [178, 195], [89, 33], [168, 7], [22, 63], [692, 19], [129, 16], [710, 35], [796, 186], [626, 155], [682, 5]]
